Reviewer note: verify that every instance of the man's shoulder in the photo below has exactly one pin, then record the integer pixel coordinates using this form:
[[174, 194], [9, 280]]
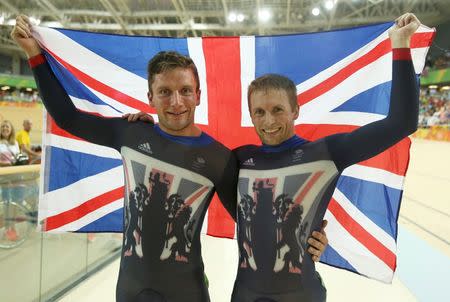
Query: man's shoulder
[[244, 150], [21, 135], [214, 142]]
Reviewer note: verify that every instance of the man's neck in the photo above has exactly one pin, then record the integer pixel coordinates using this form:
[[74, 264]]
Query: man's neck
[[190, 131]]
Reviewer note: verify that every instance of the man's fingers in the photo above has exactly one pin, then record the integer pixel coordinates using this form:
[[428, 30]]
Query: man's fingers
[[142, 116], [324, 225], [403, 19], [320, 236], [21, 29], [410, 18], [313, 251], [315, 258], [147, 118], [19, 32], [24, 17], [407, 19], [316, 244]]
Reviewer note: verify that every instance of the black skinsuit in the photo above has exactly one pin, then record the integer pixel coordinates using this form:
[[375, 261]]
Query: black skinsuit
[[284, 190], [169, 183]]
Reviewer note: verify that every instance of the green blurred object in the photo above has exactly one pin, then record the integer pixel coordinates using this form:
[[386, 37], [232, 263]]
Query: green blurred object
[[441, 76], [17, 81]]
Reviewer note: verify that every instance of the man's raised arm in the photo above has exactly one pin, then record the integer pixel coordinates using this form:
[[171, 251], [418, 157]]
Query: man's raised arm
[[374, 138], [92, 128]]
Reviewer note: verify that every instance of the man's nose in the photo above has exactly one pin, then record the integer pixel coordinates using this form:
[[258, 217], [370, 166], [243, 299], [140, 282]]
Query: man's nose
[[176, 99], [269, 119]]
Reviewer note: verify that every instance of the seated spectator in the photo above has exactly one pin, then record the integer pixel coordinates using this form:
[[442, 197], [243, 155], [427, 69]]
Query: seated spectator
[[23, 138], [9, 148]]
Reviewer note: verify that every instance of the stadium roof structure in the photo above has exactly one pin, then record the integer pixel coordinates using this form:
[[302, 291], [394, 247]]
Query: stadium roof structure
[[177, 18]]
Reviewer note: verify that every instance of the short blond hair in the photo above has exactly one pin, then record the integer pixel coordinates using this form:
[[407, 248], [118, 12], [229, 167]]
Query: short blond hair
[[274, 82]]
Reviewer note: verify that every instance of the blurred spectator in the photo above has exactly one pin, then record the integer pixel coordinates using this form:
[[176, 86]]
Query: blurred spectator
[[9, 148], [16, 95], [23, 138], [434, 108], [440, 62], [9, 155]]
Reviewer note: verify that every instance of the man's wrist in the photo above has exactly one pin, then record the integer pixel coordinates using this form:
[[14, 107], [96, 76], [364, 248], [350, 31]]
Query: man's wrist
[[400, 42]]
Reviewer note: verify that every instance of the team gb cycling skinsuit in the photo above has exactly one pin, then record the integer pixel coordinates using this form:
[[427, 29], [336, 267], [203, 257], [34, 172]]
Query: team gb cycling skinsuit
[[169, 183], [284, 190]]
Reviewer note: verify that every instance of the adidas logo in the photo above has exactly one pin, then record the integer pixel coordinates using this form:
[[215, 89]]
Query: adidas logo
[[145, 147], [249, 162]]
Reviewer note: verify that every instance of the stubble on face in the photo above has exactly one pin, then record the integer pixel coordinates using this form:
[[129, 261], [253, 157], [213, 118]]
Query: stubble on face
[[175, 95], [272, 116]]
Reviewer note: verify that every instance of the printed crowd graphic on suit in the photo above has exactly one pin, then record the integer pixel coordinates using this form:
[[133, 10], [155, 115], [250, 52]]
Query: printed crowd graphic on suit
[[282, 202], [179, 213]]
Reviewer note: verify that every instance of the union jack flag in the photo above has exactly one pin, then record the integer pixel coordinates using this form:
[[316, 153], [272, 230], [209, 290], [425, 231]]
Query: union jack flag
[[343, 81]]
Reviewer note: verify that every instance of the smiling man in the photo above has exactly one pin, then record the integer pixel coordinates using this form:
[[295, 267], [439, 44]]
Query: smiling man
[[286, 184]]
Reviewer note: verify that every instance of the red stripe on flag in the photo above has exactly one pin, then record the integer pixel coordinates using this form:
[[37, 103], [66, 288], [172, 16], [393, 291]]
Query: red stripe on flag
[[103, 88], [56, 221], [224, 107], [360, 234], [378, 51], [417, 41]]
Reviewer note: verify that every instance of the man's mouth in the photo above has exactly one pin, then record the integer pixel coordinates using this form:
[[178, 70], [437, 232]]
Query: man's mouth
[[176, 114], [271, 131]]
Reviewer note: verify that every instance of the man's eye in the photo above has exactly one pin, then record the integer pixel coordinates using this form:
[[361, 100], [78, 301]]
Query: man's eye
[[277, 109], [259, 112], [186, 91], [164, 92]]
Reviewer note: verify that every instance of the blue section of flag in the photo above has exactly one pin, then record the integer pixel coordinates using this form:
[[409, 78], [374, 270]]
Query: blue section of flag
[[377, 201], [330, 256], [374, 100], [111, 222], [72, 85], [296, 56], [73, 166], [138, 50]]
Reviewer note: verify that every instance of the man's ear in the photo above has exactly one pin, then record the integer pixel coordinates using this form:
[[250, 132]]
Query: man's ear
[[296, 112], [150, 99], [199, 93]]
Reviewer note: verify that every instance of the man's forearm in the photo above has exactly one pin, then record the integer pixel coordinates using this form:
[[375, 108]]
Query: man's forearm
[[374, 138]]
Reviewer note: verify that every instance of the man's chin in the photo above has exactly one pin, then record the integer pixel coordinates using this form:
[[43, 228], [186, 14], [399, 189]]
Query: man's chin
[[178, 126], [270, 142]]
